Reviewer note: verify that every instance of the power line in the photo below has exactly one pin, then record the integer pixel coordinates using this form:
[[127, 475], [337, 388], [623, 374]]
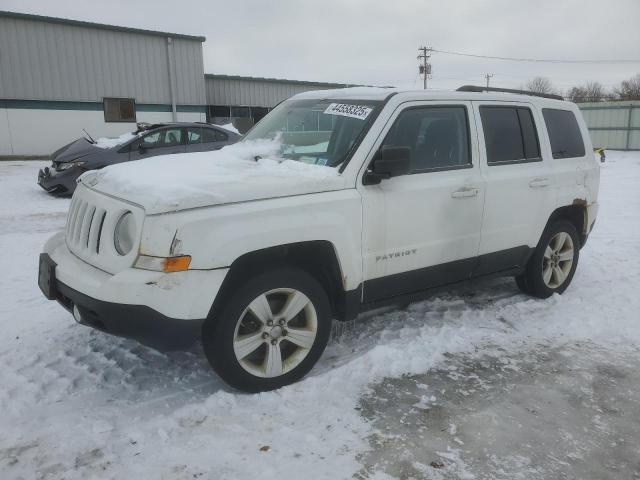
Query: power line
[[537, 60]]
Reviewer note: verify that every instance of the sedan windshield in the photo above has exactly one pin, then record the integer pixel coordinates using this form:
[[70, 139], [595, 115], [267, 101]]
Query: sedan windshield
[[321, 132]]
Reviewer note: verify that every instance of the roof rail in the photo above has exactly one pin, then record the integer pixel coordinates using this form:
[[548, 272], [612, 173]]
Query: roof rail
[[475, 88]]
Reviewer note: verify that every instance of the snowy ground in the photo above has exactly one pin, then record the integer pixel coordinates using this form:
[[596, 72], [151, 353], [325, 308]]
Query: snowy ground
[[484, 384]]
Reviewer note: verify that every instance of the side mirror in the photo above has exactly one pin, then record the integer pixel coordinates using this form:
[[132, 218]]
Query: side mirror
[[388, 162], [141, 148]]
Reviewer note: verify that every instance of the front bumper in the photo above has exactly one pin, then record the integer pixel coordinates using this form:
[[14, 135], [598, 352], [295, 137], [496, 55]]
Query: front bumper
[[162, 310], [61, 183]]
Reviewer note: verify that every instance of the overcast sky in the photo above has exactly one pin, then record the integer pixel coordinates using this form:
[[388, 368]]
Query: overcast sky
[[375, 42]]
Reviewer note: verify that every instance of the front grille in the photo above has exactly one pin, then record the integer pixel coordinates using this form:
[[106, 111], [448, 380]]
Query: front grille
[[91, 223], [84, 226]]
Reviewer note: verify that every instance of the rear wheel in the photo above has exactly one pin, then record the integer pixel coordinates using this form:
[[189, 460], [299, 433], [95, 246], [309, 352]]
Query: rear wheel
[[553, 264], [271, 331]]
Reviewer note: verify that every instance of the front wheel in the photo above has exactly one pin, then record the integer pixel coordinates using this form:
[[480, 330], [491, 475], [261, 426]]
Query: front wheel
[[271, 331], [553, 264]]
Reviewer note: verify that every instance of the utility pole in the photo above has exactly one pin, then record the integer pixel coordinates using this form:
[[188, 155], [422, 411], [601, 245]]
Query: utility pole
[[425, 68], [488, 76]]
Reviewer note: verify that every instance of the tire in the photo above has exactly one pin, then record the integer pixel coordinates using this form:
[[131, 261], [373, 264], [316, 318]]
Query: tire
[[523, 285], [258, 342], [553, 264]]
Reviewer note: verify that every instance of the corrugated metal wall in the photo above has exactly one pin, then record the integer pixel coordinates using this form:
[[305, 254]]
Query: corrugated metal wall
[[42, 60], [254, 92], [613, 125]]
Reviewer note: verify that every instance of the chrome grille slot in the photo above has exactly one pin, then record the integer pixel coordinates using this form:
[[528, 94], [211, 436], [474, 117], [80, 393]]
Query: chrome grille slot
[[86, 225], [77, 227], [96, 226]]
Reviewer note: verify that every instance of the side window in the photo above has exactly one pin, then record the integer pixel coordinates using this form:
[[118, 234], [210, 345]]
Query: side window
[[210, 135], [151, 140], [510, 135], [564, 133], [221, 136], [438, 137], [194, 135], [172, 136]]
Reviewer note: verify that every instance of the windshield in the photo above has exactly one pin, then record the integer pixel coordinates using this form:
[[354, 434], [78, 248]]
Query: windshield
[[321, 132]]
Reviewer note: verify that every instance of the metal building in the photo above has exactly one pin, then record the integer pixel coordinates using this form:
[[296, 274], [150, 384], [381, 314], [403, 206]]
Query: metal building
[[613, 125], [245, 100], [59, 76]]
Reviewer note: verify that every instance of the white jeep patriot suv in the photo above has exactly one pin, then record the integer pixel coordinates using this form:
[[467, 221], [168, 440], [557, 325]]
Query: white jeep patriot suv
[[338, 201]]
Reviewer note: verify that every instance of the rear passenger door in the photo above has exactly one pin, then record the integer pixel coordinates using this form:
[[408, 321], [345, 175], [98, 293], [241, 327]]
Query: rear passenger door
[[519, 192]]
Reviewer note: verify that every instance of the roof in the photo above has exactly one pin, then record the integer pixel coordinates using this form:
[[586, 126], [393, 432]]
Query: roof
[[275, 80], [381, 93], [102, 26]]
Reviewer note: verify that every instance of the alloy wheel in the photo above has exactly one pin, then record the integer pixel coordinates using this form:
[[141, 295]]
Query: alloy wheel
[[275, 332], [557, 260]]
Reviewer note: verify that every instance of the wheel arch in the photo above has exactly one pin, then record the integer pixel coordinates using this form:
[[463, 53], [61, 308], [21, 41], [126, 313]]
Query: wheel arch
[[576, 213], [318, 258]]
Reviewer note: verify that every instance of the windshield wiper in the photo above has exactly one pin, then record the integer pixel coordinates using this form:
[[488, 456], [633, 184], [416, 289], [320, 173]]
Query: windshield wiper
[[90, 137]]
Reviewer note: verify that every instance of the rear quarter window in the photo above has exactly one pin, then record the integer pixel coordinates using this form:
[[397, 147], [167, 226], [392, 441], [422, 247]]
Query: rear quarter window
[[564, 133]]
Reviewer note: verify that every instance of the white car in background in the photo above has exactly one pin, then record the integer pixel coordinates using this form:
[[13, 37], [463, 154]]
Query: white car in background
[[337, 202]]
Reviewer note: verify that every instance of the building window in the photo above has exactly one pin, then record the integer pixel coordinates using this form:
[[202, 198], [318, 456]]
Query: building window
[[219, 111], [240, 112], [257, 113], [119, 110]]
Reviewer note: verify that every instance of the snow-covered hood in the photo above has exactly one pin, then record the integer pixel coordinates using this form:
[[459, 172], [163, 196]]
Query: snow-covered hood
[[190, 180]]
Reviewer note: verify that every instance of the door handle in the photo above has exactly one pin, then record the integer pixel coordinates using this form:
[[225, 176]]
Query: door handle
[[539, 183], [465, 192]]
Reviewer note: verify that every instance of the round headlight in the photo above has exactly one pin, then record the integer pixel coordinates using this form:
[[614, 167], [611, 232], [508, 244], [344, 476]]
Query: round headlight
[[125, 233]]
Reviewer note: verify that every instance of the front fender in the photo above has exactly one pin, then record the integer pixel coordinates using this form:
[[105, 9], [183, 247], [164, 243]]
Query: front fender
[[216, 236]]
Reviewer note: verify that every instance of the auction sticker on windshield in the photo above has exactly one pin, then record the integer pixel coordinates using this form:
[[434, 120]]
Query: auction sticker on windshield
[[346, 110]]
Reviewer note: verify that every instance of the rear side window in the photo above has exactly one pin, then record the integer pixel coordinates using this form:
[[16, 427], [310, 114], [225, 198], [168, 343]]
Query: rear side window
[[194, 135], [564, 133], [510, 135], [437, 137], [210, 135]]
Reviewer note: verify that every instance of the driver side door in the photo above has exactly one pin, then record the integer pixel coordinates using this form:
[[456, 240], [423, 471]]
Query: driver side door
[[422, 229]]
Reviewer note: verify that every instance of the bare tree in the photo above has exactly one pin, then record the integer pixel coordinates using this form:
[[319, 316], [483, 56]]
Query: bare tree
[[540, 85], [629, 89], [589, 92]]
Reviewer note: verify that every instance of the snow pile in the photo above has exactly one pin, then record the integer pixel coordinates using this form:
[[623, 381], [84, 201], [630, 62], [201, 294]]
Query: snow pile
[[78, 403], [239, 172], [230, 127], [110, 142]]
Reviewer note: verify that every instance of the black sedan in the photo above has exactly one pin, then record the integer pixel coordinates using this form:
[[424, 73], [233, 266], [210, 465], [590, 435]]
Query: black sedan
[[72, 160]]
